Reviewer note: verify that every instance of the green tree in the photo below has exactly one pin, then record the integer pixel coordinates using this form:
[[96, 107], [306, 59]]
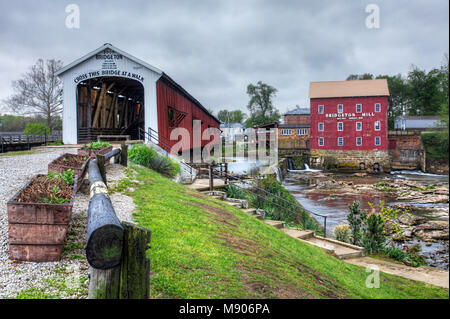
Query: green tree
[[226, 116], [426, 92], [364, 76], [399, 91], [260, 105], [36, 128], [356, 219]]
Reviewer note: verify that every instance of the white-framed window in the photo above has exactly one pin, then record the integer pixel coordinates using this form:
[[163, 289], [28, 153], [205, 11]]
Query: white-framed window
[[340, 141], [320, 127], [358, 108], [358, 141], [340, 108], [320, 109], [377, 107], [377, 140], [321, 141], [377, 125], [340, 126], [285, 131], [302, 131], [359, 126]]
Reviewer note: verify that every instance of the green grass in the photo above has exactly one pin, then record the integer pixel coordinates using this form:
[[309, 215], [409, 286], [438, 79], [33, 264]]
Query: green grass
[[203, 248]]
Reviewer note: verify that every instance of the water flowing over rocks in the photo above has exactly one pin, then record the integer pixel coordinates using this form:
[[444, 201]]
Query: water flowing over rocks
[[422, 200]]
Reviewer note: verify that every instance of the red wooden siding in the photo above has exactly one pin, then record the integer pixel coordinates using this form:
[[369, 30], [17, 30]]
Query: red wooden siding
[[168, 96], [349, 133]]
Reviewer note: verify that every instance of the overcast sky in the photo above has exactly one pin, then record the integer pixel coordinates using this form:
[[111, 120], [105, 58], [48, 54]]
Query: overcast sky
[[215, 48]]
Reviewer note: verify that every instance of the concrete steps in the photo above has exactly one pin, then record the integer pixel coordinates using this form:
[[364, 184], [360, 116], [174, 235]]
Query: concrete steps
[[339, 249], [300, 234], [275, 223], [336, 248]]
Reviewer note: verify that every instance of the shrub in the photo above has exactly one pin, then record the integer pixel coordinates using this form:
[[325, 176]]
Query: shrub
[[356, 218], [436, 144], [395, 253], [141, 154], [373, 234], [298, 162], [164, 166], [330, 162], [97, 145], [235, 192], [285, 209], [342, 233], [36, 128], [413, 256]]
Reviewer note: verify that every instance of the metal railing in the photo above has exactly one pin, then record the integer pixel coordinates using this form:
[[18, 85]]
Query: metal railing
[[223, 175], [26, 139]]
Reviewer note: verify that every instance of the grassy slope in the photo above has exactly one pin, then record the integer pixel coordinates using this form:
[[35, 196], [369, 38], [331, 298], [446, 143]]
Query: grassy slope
[[202, 248]]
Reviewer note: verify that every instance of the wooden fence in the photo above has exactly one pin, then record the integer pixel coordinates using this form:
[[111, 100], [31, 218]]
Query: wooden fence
[[115, 251]]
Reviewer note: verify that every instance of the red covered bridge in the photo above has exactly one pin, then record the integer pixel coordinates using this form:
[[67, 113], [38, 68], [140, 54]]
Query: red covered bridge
[[110, 92]]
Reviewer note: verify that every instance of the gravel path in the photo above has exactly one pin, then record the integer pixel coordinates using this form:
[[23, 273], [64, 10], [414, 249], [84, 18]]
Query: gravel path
[[67, 278]]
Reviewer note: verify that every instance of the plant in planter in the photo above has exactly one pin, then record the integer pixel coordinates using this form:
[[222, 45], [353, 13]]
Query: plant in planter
[[39, 215], [76, 163], [92, 149]]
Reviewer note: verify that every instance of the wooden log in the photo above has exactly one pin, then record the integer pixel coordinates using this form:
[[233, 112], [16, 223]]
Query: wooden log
[[98, 105], [104, 231], [124, 155], [95, 98], [101, 166], [135, 266], [101, 103], [89, 106], [105, 110], [211, 177], [104, 283]]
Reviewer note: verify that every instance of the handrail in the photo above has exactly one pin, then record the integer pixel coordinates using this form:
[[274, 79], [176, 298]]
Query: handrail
[[221, 175]]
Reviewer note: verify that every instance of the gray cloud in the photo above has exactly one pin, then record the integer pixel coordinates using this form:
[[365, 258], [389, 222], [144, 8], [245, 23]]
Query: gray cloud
[[215, 48]]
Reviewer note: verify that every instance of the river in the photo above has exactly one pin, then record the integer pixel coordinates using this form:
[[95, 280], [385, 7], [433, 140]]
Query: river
[[302, 184]]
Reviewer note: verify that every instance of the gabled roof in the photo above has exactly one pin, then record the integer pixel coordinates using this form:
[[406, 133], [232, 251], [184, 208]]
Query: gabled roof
[[168, 80], [417, 122], [100, 49], [299, 111], [355, 88], [232, 125], [294, 125]]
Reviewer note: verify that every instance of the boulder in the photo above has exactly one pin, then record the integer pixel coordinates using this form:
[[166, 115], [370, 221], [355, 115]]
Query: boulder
[[408, 219], [434, 225]]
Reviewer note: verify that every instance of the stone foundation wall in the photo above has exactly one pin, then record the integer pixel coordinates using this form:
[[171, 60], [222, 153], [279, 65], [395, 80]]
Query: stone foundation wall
[[406, 151], [436, 166], [351, 160]]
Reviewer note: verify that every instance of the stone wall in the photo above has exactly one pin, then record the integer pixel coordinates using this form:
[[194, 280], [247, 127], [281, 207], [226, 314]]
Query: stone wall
[[436, 166], [297, 119], [406, 152], [351, 160]]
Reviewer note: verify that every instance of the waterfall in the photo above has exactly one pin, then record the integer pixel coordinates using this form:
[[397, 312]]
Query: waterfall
[[278, 173], [290, 164], [306, 167]]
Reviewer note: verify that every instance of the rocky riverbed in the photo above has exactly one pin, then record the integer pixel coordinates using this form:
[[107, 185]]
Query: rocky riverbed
[[422, 204]]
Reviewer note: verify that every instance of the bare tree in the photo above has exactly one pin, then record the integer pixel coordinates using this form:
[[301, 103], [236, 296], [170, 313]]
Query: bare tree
[[38, 92]]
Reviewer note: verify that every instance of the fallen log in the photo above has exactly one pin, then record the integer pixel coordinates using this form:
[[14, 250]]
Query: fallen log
[[104, 230]]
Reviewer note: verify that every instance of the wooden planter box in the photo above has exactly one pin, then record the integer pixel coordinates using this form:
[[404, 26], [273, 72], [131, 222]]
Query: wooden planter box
[[37, 230], [93, 153], [79, 171]]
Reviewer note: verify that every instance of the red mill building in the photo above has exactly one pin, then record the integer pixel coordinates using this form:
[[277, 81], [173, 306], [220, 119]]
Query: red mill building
[[349, 124]]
